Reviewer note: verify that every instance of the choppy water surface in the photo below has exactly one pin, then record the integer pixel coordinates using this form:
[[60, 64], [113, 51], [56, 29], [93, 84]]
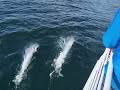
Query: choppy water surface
[[51, 44]]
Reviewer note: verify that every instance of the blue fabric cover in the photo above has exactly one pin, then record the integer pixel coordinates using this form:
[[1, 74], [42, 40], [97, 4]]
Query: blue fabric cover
[[111, 39]]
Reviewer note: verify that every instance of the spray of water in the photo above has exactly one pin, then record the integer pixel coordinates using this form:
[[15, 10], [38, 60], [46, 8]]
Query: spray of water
[[65, 44], [29, 51]]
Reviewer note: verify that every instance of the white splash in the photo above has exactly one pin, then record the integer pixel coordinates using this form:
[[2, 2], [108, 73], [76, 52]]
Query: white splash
[[65, 45], [29, 51]]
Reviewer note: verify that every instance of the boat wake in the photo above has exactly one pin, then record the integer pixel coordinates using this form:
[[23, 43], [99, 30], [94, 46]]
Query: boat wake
[[28, 54], [65, 45]]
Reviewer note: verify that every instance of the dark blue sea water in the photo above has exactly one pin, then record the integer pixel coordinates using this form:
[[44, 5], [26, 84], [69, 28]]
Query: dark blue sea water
[[44, 24]]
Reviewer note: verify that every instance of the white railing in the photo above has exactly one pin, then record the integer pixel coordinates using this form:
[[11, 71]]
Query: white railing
[[95, 80]]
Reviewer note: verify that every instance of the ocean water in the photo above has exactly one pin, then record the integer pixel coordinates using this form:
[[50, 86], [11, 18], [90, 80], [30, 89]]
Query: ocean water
[[51, 44]]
